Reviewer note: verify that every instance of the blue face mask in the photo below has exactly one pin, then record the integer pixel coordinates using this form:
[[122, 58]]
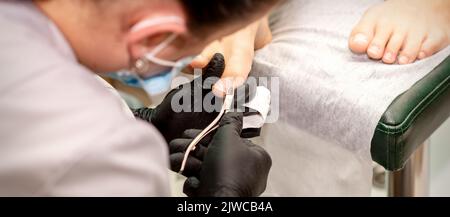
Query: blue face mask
[[160, 83], [154, 85]]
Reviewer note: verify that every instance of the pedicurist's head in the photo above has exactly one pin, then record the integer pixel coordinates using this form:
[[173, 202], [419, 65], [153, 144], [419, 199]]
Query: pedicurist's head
[[109, 35]]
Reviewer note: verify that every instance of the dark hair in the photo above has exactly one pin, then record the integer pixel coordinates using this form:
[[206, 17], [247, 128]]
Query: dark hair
[[204, 13]]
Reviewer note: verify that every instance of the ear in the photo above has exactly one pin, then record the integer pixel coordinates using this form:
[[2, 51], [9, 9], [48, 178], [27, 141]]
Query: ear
[[150, 31]]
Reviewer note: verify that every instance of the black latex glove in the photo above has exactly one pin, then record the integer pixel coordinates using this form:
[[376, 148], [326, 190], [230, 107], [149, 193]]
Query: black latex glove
[[227, 165], [172, 124]]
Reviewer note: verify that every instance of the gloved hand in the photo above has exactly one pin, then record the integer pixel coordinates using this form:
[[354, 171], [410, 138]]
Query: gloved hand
[[224, 164], [172, 124]]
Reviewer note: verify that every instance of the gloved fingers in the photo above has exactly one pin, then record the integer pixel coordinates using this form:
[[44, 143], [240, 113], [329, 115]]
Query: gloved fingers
[[143, 113], [214, 69], [192, 133], [232, 120], [191, 186], [206, 55], [263, 155], [178, 145], [211, 74], [181, 145], [192, 168]]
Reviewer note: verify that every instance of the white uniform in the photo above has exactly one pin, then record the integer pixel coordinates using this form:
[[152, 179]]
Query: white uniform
[[62, 133]]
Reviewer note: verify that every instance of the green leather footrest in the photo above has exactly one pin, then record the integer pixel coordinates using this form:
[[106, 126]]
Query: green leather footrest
[[412, 118]]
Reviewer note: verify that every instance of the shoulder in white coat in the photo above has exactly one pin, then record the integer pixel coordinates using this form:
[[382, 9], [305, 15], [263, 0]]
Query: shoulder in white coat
[[62, 133]]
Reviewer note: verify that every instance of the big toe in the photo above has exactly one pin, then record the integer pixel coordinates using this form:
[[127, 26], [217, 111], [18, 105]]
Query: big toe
[[359, 42]]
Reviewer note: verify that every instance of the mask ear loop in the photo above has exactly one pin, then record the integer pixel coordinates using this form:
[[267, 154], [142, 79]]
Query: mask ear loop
[[152, 55], [142, 63]]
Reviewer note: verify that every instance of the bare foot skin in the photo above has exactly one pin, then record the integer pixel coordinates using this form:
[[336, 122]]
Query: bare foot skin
[[403, 30], [238, 50]]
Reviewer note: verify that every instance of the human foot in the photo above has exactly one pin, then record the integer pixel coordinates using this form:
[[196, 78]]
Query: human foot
[[403, 30]]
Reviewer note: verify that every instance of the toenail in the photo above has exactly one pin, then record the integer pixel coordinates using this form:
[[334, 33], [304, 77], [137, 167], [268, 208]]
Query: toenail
[[374, 50], [422, 55], [403, 60], [360, 39], [388, 57]]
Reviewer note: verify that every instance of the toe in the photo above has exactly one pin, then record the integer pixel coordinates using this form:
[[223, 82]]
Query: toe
[[432, 44], [359, 42], [379, 42], [393, 47], [411, 48], [362, 34]]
